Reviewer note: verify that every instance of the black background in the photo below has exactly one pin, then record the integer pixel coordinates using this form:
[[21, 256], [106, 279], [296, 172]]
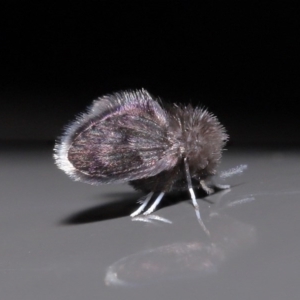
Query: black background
[[239, 59]]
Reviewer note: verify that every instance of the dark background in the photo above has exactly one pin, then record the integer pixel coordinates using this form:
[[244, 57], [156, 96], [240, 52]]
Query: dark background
[[239, 59]]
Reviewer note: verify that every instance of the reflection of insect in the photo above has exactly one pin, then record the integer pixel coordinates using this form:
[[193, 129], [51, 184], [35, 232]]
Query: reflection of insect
[[183, 260], [130, 137]]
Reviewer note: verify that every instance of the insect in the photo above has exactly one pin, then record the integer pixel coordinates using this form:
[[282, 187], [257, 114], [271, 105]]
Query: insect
[[132, 137]]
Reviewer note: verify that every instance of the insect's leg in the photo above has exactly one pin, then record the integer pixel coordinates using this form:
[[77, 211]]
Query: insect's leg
[[231, 172], [207, 189], [193, 197], [154, 205], [167, 187], [143, 205]]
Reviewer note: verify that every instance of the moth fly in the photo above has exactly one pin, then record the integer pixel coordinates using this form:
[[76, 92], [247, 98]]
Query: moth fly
[[132, 137]]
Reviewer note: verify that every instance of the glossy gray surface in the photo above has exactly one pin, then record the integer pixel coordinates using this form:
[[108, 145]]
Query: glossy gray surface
[[67, 240]]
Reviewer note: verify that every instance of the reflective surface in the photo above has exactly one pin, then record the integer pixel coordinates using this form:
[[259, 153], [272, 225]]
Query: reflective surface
[[67, 240]]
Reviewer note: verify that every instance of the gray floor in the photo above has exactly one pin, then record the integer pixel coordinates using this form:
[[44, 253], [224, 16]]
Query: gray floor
[[67, 240]]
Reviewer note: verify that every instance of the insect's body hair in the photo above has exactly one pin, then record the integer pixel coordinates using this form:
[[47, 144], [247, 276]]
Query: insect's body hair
[[196, 134]]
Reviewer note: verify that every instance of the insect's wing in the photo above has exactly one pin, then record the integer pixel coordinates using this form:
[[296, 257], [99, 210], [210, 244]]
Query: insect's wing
[[123, 137]]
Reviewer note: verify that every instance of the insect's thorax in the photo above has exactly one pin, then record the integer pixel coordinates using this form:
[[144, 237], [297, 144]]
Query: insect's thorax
[[199, 137]]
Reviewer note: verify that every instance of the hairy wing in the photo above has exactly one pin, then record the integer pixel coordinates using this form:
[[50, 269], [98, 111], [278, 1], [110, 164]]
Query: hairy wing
[[121, 148], [123, 137]]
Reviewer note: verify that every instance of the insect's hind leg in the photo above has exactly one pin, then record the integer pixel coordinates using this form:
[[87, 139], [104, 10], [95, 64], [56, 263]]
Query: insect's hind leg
[[144, 200], [154, 205], [166, 187]]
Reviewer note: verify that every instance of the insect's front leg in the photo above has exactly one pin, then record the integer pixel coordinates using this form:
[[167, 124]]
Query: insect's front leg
[[205, 187]]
